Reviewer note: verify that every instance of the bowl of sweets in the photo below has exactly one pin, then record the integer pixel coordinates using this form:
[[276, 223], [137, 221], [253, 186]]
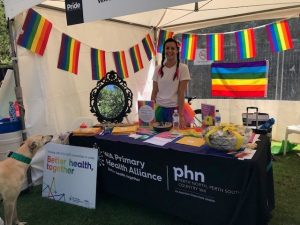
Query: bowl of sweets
[[162, 126]]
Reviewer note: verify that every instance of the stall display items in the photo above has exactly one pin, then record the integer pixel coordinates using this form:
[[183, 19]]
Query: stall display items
[[228, 137]]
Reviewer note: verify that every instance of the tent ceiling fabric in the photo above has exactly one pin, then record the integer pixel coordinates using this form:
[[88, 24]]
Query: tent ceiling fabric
[[210, 12]]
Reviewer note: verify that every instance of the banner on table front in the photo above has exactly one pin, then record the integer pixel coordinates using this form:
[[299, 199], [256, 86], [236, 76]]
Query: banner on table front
[[14, 7], [79, 11], [70, 174]]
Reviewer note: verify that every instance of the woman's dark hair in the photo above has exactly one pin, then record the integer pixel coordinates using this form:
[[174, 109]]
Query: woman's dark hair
[[160, 71]]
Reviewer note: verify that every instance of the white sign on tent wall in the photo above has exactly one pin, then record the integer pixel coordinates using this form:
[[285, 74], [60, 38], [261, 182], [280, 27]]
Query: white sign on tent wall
[[200, 57], [70, 174], [79, 11], [14, 7]]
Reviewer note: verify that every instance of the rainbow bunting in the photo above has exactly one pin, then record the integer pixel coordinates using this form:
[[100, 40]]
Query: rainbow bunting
[[162, 37], [189, 46], [148, 46], [98, 64], [245, 42], [121, 66], [69, 54], [136, 59], [279, 36], [36, 32], [239, 80], [215, 47]]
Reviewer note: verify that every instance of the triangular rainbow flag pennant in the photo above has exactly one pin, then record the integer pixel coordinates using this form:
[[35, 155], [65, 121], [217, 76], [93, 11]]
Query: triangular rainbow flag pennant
[[245, 42], [69, 54], [98, 64], [149, 47], [215, 47], [136, 58], [239, 80], [162, 37], [279, 36], [36, 32], [188, 46], [121, 66]]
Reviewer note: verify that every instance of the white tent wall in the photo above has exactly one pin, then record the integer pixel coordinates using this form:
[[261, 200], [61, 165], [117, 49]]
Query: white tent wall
[[54, 98]]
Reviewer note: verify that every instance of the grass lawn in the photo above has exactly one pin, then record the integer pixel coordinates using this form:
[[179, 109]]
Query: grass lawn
[[112, 210]]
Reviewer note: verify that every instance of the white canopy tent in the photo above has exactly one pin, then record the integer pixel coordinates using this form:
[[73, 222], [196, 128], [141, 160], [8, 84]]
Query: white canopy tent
[[53, 98]]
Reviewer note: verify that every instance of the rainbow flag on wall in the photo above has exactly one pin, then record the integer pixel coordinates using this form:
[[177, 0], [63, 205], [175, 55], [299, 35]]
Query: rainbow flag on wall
[[136, 58], [149, 47], [245, 42], [279, 36], [215, 47], [162, 37], [69, 54], [239, 80], [189, 46], [36, 32], [98, 64], [120, 62]]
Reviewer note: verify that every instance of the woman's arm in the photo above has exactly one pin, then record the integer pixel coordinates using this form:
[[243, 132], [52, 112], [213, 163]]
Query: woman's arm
[[181, 91], [154, 91]]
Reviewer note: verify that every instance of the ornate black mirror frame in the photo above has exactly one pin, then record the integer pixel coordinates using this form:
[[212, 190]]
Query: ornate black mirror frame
[[111, 78]]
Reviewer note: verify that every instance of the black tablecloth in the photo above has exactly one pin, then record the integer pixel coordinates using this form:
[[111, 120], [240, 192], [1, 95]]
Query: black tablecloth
[[199, 184]]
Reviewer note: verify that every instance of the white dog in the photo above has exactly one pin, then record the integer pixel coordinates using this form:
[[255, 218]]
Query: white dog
[[13, 174]]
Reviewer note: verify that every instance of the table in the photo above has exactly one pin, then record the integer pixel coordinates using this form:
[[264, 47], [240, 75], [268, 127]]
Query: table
[[201, 185]]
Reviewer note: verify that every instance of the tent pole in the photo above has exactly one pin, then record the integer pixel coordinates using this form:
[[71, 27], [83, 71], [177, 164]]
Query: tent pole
[[18, 89], [155, 43]]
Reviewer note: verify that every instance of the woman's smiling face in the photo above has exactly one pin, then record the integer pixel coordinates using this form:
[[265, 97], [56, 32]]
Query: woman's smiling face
[[171, 50]]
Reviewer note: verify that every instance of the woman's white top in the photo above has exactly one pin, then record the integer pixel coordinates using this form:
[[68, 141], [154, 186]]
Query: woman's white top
[[167, 95]]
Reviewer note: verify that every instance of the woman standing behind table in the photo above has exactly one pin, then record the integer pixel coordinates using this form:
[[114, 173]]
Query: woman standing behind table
[[170, 82]]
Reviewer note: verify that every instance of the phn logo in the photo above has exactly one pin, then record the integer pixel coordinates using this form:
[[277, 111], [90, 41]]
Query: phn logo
[[188, 174]]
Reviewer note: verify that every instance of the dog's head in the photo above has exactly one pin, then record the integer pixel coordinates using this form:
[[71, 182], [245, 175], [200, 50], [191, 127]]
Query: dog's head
[[35, 142]]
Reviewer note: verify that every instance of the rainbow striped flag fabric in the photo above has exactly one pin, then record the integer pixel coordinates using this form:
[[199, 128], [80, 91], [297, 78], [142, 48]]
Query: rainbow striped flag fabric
[[36, 32], [149, 47], [98, 64], [120, 63], [69, 54], [240, 80], [245, 42], [189, 46], [215, 47], [279, 36], [136, 58], [162, 37]]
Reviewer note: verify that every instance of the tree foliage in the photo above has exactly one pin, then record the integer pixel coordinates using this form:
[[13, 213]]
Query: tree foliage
[[4, 38], [111, 101]]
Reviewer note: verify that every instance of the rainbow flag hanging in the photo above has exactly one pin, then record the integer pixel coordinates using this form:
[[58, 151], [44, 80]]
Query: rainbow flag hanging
[[215, 47], [239, 80], [98, 64], [69, 54], [136, 58], [36, 32], [121, 66], [189, 46], [162, 37], [149, 47], [279, 36], [245, 42]]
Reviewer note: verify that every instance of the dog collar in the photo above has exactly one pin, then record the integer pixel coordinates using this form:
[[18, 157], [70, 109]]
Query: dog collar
[[20, 157]]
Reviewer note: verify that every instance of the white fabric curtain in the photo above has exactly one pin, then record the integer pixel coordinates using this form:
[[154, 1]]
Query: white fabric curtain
[[54, 98]]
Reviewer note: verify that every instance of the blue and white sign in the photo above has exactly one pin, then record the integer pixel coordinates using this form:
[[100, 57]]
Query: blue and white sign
[[70, 174]]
